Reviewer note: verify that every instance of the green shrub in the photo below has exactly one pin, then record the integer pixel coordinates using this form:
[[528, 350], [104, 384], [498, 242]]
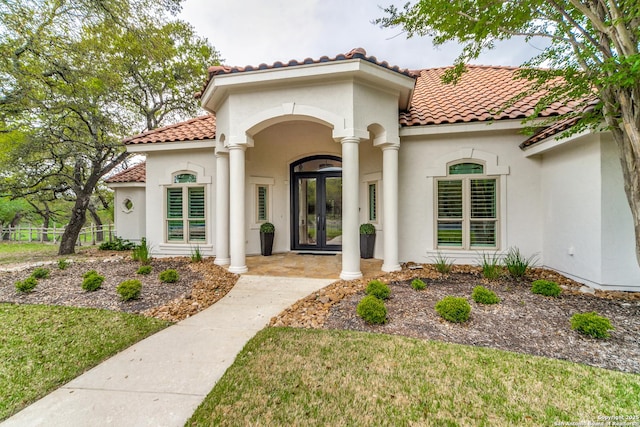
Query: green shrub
[[378, 289], [372, 310], [546, 287], [129, 289], [442, 263], [40, 273], [267, 227], [517, 264], [367, 229], [27, 285], [483, 295], [89, 273], [491, 268], [92, 281], [591, 324], [169, 276], [142, 252], [117, 244], [144, 269], [196, 255], [418, 284], [63, 264], [454, 309]]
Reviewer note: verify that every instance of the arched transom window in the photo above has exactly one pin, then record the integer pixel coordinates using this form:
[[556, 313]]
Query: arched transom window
[[466, 208]]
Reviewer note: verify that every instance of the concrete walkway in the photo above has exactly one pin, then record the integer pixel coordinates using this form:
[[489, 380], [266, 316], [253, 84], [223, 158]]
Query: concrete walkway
[[161, 380]]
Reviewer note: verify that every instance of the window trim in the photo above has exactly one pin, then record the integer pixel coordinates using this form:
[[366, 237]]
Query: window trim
[[256, 182], [466, 207], [185, 218]]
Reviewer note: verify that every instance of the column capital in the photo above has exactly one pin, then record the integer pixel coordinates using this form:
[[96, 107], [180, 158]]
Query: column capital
[[235, 147], [389, 146], [350, 139], [221, 153]]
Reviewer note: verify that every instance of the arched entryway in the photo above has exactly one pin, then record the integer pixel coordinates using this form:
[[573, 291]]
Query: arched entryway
[[316, 203]]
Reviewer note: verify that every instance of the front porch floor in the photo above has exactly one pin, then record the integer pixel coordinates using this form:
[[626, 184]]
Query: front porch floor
[[294, 264]]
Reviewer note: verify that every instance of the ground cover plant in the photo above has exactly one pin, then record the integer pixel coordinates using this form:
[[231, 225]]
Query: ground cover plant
[[129, 289], [591, 324], [92, 281], [372, 310], [378, 289], [329, 377], [40, 273], [453, 309], [490, 264], [144, 269], [482, 295], [31, 339], [169, 276], [418, 284], [546, 288], [26, 285], [516, 264]]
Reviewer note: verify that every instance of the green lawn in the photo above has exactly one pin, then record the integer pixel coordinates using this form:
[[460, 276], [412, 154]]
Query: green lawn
[[317, 377], [17, 252], [43, 347]]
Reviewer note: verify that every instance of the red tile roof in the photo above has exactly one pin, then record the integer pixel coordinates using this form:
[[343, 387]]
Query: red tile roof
[[356, 53], [480, 93], [198, 129], [136, 173]]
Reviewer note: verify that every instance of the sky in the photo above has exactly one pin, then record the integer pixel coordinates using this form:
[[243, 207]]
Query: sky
[[251, 32]]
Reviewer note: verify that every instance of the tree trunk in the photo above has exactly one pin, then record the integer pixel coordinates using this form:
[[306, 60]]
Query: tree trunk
[[76, 222], [14, 223], [98, 221], [45, 227]]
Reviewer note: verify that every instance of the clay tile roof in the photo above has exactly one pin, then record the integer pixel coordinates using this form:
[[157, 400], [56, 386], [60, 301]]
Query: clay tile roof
[[561, 125], [136, 173], [479, 94], [200, 128], [357, 53]]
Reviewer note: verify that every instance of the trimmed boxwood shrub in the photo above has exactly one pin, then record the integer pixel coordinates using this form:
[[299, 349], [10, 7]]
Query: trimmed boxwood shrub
[[144, 269], [40, 273], [378, 289], [129, 289], [169, 276], [27, 285], [92, 281], [454, 309], [483, 295], [418, 284], [546, 288], [372, 310], [591, 324]]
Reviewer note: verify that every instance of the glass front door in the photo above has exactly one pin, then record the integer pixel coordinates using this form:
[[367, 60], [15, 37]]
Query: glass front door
[[317, 204]]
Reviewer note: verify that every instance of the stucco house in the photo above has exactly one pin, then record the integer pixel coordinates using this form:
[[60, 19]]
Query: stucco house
[[320, 146]]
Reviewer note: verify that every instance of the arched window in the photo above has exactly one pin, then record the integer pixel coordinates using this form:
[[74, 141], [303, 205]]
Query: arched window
[[185, 210], [466, 207]]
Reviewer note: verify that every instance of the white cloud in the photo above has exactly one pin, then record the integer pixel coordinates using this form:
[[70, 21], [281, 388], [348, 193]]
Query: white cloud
[[249, 32]]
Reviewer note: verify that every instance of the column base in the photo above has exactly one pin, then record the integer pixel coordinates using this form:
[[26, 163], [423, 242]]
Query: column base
[[238, 269], [222, 261], [351, 275], [389, 268]]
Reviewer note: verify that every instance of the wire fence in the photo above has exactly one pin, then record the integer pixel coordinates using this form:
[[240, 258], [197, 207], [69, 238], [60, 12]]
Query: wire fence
[[89, 235]]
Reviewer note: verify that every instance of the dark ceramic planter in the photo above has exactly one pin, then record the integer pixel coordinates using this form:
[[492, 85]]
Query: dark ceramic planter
[[367, 244], [266, 243]]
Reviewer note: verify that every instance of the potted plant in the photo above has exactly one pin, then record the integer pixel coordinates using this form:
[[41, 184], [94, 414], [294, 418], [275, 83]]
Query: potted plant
[[266, 238], [367, 240]]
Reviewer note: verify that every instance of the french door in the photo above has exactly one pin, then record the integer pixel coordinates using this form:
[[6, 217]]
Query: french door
[[317, 205]]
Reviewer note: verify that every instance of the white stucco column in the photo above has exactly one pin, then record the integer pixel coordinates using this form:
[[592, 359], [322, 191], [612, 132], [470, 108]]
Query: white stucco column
[[350, 200], [222, 209], [236, 209], [390, 207]]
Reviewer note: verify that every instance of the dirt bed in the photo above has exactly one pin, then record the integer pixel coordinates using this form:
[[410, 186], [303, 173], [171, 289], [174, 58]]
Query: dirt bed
[[522, 322], [199, 286]]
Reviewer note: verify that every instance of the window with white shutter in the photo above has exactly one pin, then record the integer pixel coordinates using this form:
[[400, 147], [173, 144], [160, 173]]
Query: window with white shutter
[[185, 210], [467, 214]]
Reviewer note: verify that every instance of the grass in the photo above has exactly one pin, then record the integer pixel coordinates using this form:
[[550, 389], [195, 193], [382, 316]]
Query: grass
[[43, 347], [283, 376], [12, 252]]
